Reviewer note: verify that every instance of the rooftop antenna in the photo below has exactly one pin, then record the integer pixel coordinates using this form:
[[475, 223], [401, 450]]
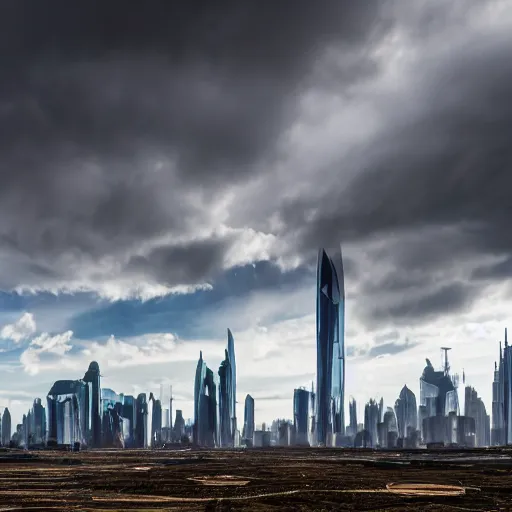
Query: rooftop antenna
[[446, 365]]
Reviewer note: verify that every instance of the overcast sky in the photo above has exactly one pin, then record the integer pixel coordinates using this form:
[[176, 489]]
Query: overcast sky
[[170, 169]]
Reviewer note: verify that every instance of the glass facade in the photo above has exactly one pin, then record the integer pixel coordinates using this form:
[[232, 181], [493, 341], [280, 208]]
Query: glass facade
[[232, 396], [406, 412], [330, 327], [352, 411], [112, 418], [372, 418], [226, 435], [67, 412], [227, 396], [206, 429], [248, 430], [6, 427], [502, 397], [302, 405], [141, 422], [93, 414]]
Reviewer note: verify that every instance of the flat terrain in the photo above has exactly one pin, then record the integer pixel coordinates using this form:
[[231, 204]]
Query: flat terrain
[[276, 479]]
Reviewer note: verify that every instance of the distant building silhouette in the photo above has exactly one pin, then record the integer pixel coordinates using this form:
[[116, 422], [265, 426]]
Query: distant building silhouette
[[406, 412], [6, 427], [501, 433], [248, 430], [475, 408]]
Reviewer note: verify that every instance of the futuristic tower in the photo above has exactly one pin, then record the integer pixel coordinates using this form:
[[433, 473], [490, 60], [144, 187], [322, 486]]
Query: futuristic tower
[[330, 346], [92, 378], [232, 398]]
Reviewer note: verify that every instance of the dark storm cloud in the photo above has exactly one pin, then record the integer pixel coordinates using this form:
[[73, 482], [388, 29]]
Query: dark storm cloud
[[112, 114], [421, 307], [390, 348], [446, 163], [500, 270], [190, 263], [432, 185]]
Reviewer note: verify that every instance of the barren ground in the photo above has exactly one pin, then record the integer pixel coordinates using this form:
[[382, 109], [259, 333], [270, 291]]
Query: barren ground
[[278, 479]]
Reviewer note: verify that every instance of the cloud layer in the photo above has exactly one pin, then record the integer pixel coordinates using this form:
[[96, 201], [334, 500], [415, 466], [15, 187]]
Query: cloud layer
[[154, 150]]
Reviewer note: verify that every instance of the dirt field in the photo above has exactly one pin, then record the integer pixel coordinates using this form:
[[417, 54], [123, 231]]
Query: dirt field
[[262, 480]]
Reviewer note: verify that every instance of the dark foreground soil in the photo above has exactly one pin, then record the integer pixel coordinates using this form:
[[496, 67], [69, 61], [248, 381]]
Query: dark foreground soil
[[262, 480]]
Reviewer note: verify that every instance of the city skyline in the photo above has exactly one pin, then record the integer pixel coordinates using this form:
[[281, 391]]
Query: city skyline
[[161, 181]]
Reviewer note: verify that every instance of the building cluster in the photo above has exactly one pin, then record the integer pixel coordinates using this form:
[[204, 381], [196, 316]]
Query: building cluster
[[81, 412], [501, 432], [215, 422]]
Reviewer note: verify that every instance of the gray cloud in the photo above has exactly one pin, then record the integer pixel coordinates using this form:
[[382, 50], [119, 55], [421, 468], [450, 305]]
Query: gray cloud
[[121, 123], [390, 348], [124, 131], [424, 305]]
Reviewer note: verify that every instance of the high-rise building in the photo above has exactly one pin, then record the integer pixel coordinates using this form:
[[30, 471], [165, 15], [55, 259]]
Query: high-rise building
[[502, 397], [129, 421], [6, 427], [150, 440], [93, 414], [67, 412], [437, 392], [352, 411], [330, 333], [227, 396], [198, 387], [475, 408], [372, 418], [37, 423], [303, 405], [141, 421], [178, 428], [248, 430], [112, 418], [232, 398], [406, 412], [205, 430], [156, 425], [226, 434]]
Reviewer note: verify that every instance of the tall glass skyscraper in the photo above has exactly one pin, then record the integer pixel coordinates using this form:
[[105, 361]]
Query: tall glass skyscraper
[[93, 390], [352, 411], [205, 430], [198, 387], [502, 397], [302, 403], [227, 395], [406, 412], [67, 412], [248, 432], [330, 345], [226, 433], [232, 398]]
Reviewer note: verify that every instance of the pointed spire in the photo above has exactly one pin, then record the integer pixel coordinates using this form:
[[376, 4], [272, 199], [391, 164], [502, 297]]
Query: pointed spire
[[495, 366], [506, 341], [200, 355]]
